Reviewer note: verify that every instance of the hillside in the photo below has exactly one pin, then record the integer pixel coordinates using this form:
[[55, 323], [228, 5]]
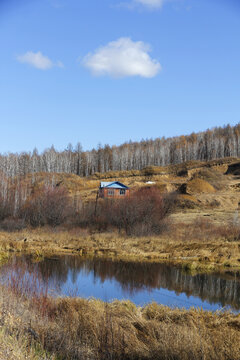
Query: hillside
[[202, 229], [204, 189]]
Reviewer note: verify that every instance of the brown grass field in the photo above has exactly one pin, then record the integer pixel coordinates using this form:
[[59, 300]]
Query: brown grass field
[[202, 234], [200, 245], [45, 328]]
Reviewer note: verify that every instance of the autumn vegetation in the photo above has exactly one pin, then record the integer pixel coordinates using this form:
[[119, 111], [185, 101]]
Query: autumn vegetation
[[45, 218], [50, 206], [220, 142], [188, 215], [34, 326], [143, 213]]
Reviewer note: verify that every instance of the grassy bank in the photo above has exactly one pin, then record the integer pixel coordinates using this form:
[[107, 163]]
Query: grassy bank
[[44, 328], [199, 245]]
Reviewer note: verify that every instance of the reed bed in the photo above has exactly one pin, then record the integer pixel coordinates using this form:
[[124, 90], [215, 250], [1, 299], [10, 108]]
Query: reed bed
[[74, 328]]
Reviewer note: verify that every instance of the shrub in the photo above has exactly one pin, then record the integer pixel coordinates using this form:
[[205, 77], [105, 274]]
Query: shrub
[[5, 208], [51, 206], [143, 213], [11, 224]]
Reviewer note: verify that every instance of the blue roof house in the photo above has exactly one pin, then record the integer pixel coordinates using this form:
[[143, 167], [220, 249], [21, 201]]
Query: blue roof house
[[114, 189]]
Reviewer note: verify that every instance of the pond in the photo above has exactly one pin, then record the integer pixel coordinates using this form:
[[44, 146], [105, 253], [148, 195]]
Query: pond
[[141, 283]]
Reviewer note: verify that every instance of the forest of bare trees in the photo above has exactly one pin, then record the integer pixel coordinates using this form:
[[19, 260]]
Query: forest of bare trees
[[219, 142]]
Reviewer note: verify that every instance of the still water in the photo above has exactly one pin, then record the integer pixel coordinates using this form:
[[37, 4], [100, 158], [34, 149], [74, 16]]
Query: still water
[[139, 282]]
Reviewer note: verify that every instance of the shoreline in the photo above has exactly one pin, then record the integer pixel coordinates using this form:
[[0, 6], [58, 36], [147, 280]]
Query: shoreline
[[192, 255], [65, 327]]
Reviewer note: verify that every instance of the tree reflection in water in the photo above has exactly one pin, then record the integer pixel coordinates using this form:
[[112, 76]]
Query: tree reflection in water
[[136, 277]]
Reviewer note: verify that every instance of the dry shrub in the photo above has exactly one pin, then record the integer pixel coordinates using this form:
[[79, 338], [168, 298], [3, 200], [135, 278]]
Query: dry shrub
[[148, 171], [143, 213], [48, 206], [11, 224], [204, 229], [5, 208]]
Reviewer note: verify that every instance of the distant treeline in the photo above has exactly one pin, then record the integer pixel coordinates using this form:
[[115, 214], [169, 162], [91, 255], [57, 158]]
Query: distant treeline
[[219, 142]]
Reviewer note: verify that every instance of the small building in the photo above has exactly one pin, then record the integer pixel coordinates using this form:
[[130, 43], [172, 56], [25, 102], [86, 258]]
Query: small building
[[113, 189]]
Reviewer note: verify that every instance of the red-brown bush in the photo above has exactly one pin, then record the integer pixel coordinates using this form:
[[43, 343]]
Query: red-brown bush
[[143, 213], [49, 206]]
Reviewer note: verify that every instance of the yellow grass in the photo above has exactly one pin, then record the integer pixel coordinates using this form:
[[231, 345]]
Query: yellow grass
[[15, 347], [205, 244], [197, 186], [93, 330]]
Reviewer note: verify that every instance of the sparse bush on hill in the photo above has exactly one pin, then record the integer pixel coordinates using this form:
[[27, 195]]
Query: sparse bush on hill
[[143, 213], [49, 206]]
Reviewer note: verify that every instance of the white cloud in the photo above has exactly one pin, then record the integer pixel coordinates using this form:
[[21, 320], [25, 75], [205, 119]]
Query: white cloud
[[151, 3], [38, 60], [122, 58]]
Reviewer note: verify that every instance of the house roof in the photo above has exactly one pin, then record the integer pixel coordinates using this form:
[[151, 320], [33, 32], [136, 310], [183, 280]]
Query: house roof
[[113, 185]]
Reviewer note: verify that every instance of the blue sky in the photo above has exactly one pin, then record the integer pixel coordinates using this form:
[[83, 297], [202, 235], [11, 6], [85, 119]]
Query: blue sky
[[107, 71]]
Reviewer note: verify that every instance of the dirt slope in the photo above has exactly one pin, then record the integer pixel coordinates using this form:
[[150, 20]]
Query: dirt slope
[[209, 187]]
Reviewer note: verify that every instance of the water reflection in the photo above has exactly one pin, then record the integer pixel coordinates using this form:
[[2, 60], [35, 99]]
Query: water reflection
[[139, 282]]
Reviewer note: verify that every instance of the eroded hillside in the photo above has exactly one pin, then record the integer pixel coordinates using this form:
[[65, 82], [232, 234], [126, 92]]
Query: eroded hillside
[[202, 189]]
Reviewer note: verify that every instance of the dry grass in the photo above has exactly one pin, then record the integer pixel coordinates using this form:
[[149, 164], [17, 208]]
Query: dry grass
[[203, 243], [214, 176], [15, 346], [93, 330], [186, 201], [197, 186]]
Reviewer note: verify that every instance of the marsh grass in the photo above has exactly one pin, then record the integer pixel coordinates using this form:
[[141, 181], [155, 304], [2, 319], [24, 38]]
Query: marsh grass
[[74, 328], [207, 244], [36, 326]]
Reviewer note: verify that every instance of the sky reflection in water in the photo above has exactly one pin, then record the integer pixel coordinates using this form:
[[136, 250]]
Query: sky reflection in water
[[139, 282]]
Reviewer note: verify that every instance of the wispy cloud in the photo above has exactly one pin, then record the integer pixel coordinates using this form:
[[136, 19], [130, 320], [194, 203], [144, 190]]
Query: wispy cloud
[[38, 60], [122, 58], [157, 4], [148, 4]]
